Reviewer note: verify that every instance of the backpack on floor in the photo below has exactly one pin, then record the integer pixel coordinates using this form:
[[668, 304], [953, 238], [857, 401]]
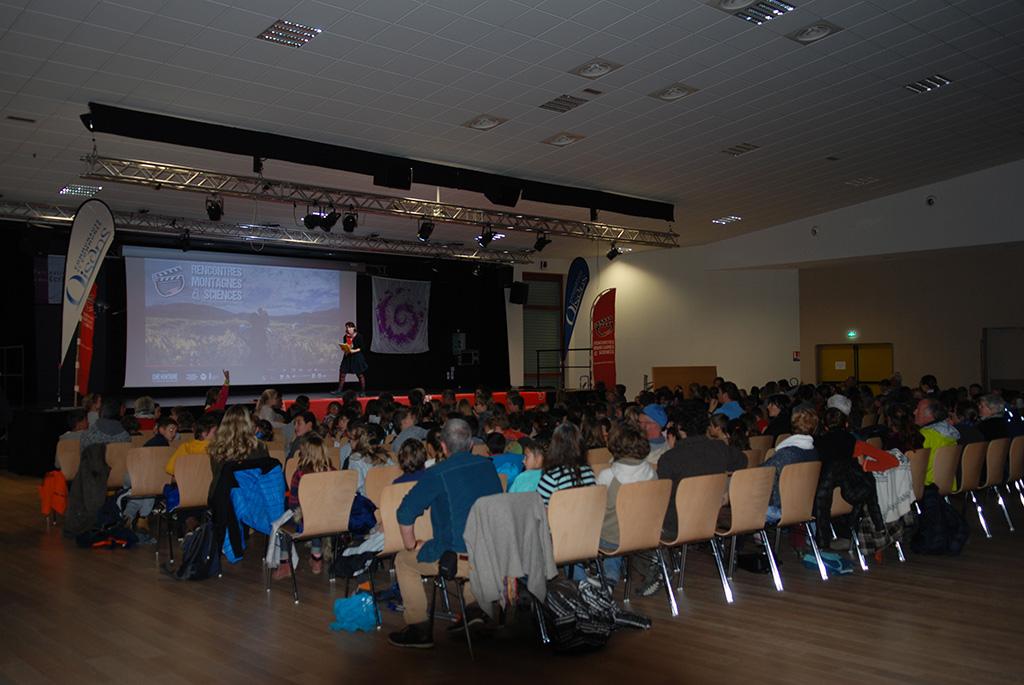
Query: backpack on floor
[[941, 528], [200, 554]]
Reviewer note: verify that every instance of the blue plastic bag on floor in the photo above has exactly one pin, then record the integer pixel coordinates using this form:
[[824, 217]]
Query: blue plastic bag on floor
[[355, 613]]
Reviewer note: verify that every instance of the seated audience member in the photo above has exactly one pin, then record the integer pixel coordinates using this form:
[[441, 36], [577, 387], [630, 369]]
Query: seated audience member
[[565, 463], [533, 464], [166, 431], [903, 434], [718, 428], [728, 401], [303, 424], [930, 418], [299, 406], [405, 420], [145, 413], [652, 421], [449, 490], [432, 443], [737, 434], [205, 430], [629, 448], [186, 422], [965, 419], [367, 451], [509, 463], [929, 386], [992, 410], [217, 398], [593, 436], [412, 459], [234, 440], [312, 458], [268, 406], [107, 428], [797, 448], [92, 403], [130, 424], [78, 423], [334, 409], [778, 415], [264, 430]]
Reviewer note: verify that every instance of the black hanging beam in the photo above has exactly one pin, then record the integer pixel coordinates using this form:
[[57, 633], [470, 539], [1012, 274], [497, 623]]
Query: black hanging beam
[[386, 170]]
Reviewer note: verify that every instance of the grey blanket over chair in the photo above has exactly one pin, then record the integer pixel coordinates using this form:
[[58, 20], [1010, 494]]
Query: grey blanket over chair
[[507, 536]]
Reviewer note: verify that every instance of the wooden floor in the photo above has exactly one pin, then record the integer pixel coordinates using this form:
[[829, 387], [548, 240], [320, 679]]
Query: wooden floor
[[82, 616]]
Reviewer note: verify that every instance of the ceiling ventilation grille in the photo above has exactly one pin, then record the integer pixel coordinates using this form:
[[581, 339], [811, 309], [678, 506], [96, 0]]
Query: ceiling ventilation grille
[[284, 32], [928, 84], [563, 103], [756, 11], [862, 181], [741, 149]]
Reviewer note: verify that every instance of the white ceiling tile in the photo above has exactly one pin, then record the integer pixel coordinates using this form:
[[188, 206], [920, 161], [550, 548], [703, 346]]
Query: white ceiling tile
[[43, 25], [465, 29], [61, 8], [98, 38], [117, 17], [22, 45], [428, 18], [497, 12], [242, 22], [389, 11], [436, 49], [472, 57]]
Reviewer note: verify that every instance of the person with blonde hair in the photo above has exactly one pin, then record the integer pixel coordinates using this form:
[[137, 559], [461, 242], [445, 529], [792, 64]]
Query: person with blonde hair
[[312, 458], [367, 450], [266, 406], [797, 448], [145, 413], [235, 440]]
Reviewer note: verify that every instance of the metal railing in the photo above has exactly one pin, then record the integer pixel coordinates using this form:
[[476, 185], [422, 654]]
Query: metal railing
[[561, 365]]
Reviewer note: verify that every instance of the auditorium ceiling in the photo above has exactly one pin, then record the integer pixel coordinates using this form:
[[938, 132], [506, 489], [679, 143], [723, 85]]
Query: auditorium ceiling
[[679, 101]]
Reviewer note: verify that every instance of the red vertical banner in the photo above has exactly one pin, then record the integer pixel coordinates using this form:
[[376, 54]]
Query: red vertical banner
[[602, 338], [85, 332]]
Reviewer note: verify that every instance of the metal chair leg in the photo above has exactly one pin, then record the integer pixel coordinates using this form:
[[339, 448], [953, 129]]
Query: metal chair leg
[[660, 553], [373, 594], [832, 529], [170, 541], [465, 618], [771, 561], [626, 581], [433, 601], [600, 572], [1002, 505], [1020, 491], [682, 564], [726, 587], [899, 552], [778, 539], [538, 613], [981, 514], [822, 571], [295, 580], [855, 543]]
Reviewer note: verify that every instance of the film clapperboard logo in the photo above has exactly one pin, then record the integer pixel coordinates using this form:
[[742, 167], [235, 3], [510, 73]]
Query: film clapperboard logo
[[169, 282]]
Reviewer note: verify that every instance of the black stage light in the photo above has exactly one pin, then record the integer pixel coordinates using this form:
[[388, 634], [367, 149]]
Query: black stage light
[[542, 242], [426, 229], [613, 253], [350, 220], [214, 208], [327, 222], [485, 237], [312, 221]]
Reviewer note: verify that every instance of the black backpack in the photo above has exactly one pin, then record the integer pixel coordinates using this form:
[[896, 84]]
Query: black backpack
[[200, 554], [941, 528]]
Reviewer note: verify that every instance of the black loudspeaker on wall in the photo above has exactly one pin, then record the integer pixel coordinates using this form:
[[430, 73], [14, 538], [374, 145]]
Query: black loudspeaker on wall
[[520, 291]]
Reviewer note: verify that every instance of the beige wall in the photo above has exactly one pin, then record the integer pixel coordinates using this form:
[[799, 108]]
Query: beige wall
[[932, 308]]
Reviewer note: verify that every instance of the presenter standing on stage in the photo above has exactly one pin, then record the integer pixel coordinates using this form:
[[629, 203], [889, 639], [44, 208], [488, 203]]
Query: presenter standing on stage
[[352, 360]]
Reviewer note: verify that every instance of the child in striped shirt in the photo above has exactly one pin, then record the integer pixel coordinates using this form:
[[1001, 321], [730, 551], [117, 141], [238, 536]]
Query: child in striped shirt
[[565, 463]]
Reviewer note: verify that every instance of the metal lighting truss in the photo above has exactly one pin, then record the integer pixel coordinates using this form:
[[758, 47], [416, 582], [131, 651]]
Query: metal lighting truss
[[156, 175], [151, 224]]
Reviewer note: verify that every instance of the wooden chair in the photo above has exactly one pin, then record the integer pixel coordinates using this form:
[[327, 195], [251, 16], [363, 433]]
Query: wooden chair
[[749, 493], [377, 478], [840, 507], [69, 456], [698, 501], [918, 468], [972, 461], [995, 467], [945, 462], [193, 475], [575, 517], [755, 457], [390, 498], [868, 420], [326, 502], [117, 459], [598, 468], [503, 477], [145, 467], [762, 442], [782, 436], [874, 442], [481, 450], [277, 452], [599, 455], [1017, 468], [798, 484], [140, 440], [640, 509]]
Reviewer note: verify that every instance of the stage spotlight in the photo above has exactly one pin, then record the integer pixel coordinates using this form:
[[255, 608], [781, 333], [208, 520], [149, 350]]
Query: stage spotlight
[[613, 253], [476, 270], [485, 237], [327, 222], [542, 242], [426, 229], [350, 220], [214, 208], [185, 240], [312, 221]]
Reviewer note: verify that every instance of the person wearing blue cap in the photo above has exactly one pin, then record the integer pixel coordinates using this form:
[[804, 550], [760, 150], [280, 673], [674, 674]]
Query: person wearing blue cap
[[727, 403], [653, 420]]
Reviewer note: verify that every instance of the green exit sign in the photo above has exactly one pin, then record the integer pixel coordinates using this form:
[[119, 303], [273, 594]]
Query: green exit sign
[[852, 334]]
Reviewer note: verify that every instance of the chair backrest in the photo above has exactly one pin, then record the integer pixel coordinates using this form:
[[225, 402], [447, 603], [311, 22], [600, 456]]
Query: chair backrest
[[755, 457], [972, 461], [481, 450], [146, 470], [762, 442], [768, 455], [390, 499], [868, 420], [995, 461], [945, 461], [599, 455], [575, 516], [277, 451], [326, 501], [749, 493], [640, 509], [290, 468], [874, 442], [798, 483], [840, 507], [117, 459], [140, 440], [503, 477], [782, 436], [377, 478], [698, 501], [1017, 458], [598, 468], [193, 475], [918, 468], [69, 456]]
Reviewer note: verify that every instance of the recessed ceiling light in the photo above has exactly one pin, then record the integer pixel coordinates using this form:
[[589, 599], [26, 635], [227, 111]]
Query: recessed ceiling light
[[485, 122], [563, 103], [562, 139], [812, 33], [78, 190], [741, 149], [593, 91], [928, 84], [284, 32], [755, 11], [676, 91], [723, 220], [862, 181], [595, 68]]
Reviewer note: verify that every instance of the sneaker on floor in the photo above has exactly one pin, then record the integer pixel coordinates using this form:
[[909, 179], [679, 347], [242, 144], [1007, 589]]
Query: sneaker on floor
[[316, 565], [414, 636], [475, 617], [653, 587]]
